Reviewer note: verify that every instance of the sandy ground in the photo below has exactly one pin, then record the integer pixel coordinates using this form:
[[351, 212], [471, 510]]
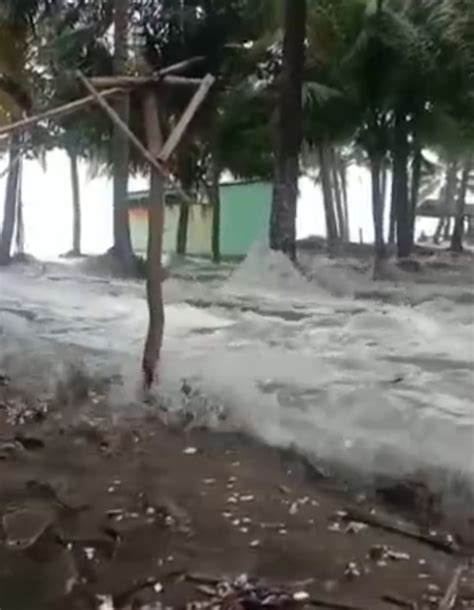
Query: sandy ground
[[142, 515]]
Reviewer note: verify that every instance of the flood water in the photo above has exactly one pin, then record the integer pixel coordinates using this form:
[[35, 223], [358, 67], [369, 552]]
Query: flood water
[[376, 377]]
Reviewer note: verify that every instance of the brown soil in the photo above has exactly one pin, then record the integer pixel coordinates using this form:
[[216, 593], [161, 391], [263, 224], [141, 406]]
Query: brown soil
[[117, 507]]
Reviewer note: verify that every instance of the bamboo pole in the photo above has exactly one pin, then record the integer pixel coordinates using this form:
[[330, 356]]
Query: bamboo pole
[[55, 113], [188, 115], [154, 338], [100, 82], [110, 112]]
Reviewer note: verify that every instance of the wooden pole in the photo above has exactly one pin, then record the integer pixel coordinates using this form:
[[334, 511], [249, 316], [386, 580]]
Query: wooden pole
[[156, 211], [188, 115], [55, 113], [100, 82]]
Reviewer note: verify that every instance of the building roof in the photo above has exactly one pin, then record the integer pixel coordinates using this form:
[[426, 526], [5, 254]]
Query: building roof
[[432, 208]]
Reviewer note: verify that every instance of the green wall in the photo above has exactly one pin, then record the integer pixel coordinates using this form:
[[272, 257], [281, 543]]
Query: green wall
[[245, 216]]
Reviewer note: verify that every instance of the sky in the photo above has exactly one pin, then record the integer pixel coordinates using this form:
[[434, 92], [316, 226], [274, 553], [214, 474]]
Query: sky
[[48, 207]]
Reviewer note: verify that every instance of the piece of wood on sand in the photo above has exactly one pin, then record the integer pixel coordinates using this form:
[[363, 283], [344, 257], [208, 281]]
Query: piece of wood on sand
[[449, 600], [156, 212]]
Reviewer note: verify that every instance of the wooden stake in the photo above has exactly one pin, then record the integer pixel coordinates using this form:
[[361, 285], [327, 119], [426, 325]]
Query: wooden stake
[[154, 339], [180, 129], [155, 163], [55, 113]]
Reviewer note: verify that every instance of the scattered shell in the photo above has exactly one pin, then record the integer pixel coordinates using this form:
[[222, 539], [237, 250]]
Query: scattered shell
[[352, 570], [89, 552], [335, 527], [433, 588], [423, 576], [105, 602], [247, 498], [190, 451], [235, 464], [226, 515], [232, 500], [232, 479], [208, 481], [354, 527], [158, 587], [254, 544], [151, 511], [283, 532], [111, 489], [293, 508], [422, 562], [300, 596], [236, 522], [244, 530]]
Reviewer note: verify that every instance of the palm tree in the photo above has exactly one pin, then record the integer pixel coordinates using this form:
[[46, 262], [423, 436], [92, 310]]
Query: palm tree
[[289, 131], [122, 247]]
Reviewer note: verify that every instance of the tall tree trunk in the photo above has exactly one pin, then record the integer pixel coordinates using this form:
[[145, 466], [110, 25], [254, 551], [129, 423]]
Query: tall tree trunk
[[341, 220], [458, 233], [342, 169], [447, 202], [76, 204], [215, 200], [155, 275], [289, 136], [415, 192], [328, 201], [11, 198], [122, 239], [376, 168], [447, 229], [182, 233], [400, 187], [20, 224], [392, 231]]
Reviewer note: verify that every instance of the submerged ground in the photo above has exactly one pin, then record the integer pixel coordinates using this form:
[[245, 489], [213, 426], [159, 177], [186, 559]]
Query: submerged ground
[[370, 381]]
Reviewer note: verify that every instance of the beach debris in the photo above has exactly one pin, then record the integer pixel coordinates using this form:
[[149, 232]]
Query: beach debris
[[354, 527], [190, 451], [247, 498], [105, 602], [449, 599], [441, 542], [24, 527], [396, 600], [382, 552], [352, 570], [245, 592]]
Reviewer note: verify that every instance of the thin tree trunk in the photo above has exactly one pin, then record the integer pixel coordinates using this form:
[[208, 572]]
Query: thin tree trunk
[[415, 192], [400, 187], [345, 200], [458, 233], [76, 204], [289, 136], [447, 202], [182, 233], [377, 210], [155, 275], [11, 197], [341, 221], [215, 200], [121, 148], [392, 231], [329, 211], [447, 229], [20, 224]]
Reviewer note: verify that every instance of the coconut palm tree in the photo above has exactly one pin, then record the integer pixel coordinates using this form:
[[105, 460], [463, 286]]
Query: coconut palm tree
[[289, 132]]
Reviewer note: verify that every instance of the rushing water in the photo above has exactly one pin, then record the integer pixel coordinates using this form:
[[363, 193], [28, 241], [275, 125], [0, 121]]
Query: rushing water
[[382, 382]]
